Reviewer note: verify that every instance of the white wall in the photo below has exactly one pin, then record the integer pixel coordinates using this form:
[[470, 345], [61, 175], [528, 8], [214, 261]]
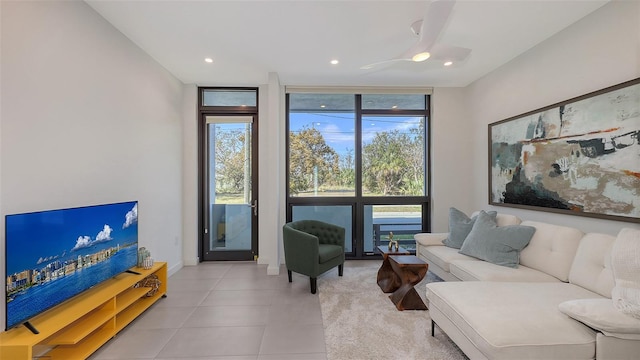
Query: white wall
[[271, 174], [601, 50], [190, 175], [88, 118], [451, 149]]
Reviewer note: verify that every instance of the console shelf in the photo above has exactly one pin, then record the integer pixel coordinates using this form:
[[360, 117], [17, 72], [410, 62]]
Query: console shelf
[[78, 327]]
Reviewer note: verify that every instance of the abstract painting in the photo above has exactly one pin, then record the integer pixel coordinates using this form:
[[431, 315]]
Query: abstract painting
[[580, 156]]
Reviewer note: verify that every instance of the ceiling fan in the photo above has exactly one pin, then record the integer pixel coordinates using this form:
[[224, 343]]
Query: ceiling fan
[[428, 30]]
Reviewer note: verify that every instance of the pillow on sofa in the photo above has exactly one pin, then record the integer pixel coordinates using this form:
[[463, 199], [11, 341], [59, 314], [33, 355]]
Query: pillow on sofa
[[625, 263], [601, 315], [498, 245], [460, 226]]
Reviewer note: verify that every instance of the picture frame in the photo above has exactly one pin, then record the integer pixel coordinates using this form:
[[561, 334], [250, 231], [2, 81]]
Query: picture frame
[[578, 157]]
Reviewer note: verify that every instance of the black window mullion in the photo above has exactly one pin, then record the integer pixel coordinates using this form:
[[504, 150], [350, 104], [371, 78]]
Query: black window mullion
[[286, 160], [358, 201], [359, 206]]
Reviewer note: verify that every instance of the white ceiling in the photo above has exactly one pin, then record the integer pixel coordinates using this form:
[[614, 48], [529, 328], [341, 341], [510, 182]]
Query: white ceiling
[[297, 39]]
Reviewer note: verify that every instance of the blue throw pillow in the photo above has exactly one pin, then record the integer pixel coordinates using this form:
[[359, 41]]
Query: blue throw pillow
[[498, 245], [460, 226]]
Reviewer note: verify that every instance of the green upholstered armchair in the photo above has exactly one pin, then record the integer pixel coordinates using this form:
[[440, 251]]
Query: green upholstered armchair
[[312, 247]]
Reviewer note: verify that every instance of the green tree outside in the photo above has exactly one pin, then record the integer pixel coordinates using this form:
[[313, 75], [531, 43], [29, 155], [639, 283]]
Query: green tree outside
[[385, 163], [311, 161], [229, 160]]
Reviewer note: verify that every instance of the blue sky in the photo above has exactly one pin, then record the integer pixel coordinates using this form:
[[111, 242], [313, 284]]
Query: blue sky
[[62, 234], [338, 129]]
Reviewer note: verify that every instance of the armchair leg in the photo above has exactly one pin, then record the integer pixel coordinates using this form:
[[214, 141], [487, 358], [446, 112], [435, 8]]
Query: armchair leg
[[340, 269], [314, 284], [289, 274]]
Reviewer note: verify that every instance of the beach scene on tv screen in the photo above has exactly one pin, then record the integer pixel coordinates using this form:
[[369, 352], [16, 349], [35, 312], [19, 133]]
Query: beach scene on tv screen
[[54, 255]]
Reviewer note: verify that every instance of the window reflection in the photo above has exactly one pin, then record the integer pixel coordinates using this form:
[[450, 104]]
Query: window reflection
[[403, 221]]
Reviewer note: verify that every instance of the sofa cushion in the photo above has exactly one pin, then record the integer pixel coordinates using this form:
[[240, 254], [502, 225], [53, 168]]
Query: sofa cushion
[[552, 249], [430, 239], [460, 226], [466, 270], [513, 320], [591, 267], [328, 252], [507, 219], [600, 314], [498, 245], [442, 256], [504, 219]]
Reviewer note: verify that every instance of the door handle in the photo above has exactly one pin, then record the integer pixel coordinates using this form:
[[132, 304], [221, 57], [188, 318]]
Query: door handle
[[255, 207]]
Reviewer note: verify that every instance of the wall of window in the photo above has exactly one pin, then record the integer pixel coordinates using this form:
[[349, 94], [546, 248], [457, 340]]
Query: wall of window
[[359, 161]]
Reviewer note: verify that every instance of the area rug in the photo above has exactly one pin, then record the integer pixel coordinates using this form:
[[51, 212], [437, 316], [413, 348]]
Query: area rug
[[361, 322]]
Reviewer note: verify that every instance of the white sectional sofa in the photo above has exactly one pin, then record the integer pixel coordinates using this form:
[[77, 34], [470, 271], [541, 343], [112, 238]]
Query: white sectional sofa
[[497, 312]]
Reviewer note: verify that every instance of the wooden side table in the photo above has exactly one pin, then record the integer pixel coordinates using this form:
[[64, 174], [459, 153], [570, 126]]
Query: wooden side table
[[411, 271], [388, 280]]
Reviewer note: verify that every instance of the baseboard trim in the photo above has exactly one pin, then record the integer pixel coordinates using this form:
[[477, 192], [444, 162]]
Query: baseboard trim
[[273, 270]]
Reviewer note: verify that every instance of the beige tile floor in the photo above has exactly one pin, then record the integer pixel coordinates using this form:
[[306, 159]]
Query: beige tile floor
[[227, 310]]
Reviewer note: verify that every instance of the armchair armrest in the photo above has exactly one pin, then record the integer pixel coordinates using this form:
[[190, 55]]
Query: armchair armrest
[[430, 239], [300, 250]]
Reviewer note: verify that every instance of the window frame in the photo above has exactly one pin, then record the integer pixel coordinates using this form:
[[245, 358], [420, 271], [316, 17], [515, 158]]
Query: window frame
[[358, 201]]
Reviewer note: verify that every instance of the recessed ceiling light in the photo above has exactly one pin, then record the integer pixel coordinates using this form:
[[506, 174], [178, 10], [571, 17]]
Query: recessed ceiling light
[[334, 62], [394, 107], [448, 63], [208, 60], [322, 106]]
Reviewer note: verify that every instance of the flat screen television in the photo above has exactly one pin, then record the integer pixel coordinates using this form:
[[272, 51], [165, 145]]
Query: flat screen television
[[51, 256]]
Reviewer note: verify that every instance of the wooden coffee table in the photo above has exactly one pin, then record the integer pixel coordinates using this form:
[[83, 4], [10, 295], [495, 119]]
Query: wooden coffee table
[[411, 271], [388, 280]]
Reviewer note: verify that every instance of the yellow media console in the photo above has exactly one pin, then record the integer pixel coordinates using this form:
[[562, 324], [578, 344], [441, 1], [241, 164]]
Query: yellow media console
[[78, 327]]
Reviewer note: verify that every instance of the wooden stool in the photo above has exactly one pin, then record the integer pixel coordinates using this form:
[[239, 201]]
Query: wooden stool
[[411, 271], [388, 280]]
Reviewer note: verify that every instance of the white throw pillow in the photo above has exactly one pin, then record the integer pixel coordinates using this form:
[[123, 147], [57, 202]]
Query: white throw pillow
[[601, 315], [625, 263]]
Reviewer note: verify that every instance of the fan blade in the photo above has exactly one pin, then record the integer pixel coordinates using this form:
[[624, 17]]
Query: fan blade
[[381, 63], [436, 16], [434, 20], [445, 52]]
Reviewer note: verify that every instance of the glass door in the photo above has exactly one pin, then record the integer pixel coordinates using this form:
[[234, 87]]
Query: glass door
[[231, 205]]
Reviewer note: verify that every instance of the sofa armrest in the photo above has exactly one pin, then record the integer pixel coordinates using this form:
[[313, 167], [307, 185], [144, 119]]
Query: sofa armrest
[[430, 239], [301, 252]]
